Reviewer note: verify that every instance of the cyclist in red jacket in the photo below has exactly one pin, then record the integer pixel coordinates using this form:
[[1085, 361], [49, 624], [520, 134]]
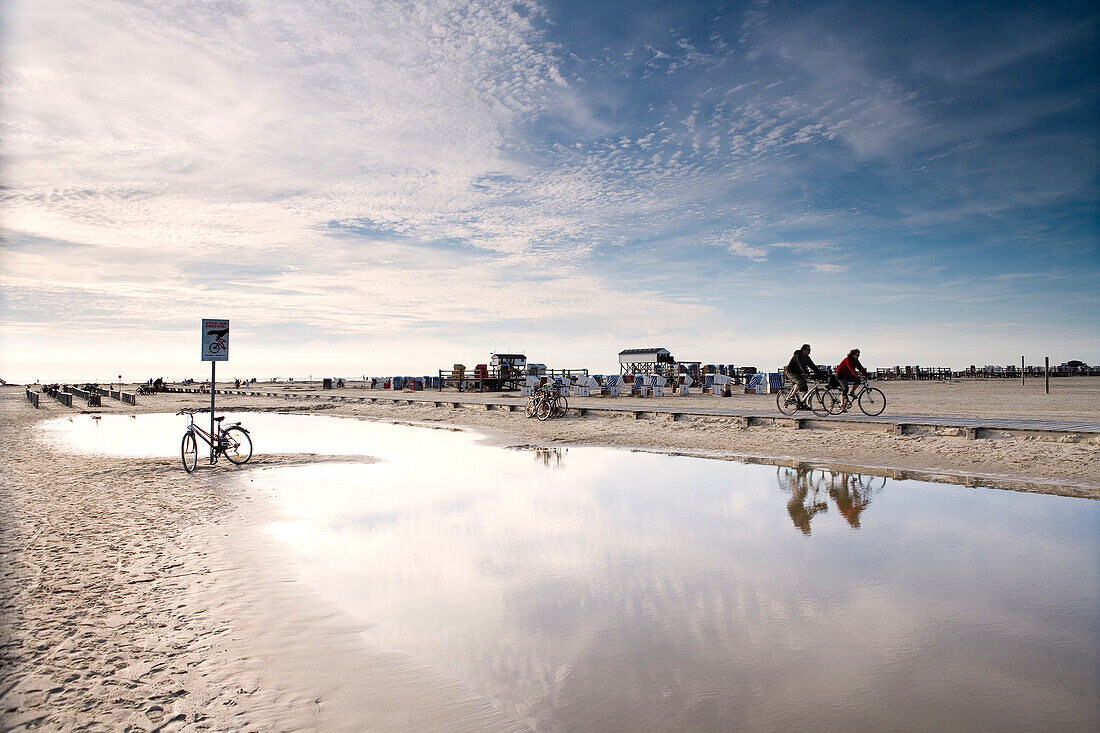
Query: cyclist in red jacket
[[849, 373]]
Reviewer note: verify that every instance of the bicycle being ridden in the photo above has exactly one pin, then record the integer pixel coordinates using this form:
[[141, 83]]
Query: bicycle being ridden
[[871, 400], [232, 441], [547, 402], [790, 398], [818, 399]]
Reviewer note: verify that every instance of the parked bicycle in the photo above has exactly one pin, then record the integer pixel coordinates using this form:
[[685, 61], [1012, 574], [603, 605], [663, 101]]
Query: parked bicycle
[[870, 399], [819, 399], [232, 441], [547, 402]]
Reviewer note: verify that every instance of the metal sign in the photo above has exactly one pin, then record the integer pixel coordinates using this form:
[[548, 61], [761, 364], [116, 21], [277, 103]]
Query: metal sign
[[215, 339]]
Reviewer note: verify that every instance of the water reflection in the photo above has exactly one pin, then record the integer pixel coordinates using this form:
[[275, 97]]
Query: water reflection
[[638, 591], [806, 499], [648, 592], [552, 458], [851, 493]]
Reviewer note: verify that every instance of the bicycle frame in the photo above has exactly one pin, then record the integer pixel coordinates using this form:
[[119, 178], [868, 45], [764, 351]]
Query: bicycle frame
[[790, 400], [215, 448], [861, 387], [207, 437]]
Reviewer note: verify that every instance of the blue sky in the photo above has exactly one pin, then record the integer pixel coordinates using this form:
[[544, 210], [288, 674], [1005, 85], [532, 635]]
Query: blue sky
[[390, 187]]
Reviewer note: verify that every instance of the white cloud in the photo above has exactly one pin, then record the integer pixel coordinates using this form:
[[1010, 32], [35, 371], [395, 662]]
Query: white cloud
[[741, 249], [824, 268]]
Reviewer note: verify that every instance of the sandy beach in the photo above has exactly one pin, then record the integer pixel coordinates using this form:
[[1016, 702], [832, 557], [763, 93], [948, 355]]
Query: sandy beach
[[137, 597]]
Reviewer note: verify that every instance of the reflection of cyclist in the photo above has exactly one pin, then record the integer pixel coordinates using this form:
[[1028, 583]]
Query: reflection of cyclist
[[849, 373], [800, 367], [804, 503], [850, 501]]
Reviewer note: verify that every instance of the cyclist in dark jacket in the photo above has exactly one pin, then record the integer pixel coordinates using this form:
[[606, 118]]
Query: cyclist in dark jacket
[[800, 367]]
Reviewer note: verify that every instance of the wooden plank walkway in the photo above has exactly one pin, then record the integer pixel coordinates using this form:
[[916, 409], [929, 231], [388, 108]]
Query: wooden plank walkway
[[968, 427]]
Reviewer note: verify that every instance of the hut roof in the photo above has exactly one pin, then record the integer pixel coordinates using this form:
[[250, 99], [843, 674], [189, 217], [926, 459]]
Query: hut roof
[[655, 350]]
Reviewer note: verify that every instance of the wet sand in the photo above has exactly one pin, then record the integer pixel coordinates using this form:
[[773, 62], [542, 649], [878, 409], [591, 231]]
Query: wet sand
[[137, 597]]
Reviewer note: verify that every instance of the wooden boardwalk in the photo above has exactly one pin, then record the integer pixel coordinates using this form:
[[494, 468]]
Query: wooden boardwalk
[[968, 427]]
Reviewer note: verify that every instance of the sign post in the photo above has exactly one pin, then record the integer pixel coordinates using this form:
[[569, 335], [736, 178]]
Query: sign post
[[215, 348]]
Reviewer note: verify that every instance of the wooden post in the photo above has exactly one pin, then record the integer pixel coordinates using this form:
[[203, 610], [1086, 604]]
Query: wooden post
[[1022, 377], [1047, 360]]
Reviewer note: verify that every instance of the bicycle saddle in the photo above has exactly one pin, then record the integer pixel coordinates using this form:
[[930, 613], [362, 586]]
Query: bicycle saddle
[[219, 419]]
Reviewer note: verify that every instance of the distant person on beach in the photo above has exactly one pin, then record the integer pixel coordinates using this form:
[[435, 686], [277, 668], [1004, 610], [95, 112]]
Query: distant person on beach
[[800, 367], [849, 373]]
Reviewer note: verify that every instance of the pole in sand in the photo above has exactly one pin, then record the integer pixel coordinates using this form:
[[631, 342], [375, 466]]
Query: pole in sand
[[1023, 377], [212, 433], [1047, 370]]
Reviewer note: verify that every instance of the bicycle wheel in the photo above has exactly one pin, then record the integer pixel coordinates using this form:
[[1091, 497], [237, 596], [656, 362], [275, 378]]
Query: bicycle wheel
[[837, 400], [532, 406], [238, 445], [545, 410], [189, 451], [821, 402], [872, 401], [560, 406], [786, 401]]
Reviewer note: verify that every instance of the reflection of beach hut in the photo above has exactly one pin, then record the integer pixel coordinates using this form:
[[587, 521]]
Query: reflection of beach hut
[[645, 361]]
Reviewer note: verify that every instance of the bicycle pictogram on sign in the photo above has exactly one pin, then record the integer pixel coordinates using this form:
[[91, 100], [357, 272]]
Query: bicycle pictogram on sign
[[215, 340]]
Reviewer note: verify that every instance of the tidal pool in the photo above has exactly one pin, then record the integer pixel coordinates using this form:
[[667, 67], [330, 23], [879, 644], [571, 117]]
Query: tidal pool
[[599, 589]]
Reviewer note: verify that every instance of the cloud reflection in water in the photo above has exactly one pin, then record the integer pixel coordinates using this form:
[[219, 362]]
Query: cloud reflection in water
[[638, 591]]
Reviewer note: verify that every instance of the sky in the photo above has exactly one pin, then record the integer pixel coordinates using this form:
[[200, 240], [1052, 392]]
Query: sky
[[374, 188]]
